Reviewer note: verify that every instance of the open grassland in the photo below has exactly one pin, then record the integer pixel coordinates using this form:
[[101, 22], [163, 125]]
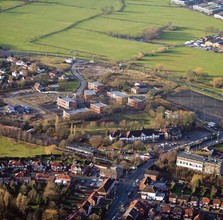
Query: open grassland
[[79, 28], [12, 148], [5, 4]]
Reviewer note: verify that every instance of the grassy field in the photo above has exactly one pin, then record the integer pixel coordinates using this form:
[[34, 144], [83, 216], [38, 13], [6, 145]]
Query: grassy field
[[79, 28], [12, 148]]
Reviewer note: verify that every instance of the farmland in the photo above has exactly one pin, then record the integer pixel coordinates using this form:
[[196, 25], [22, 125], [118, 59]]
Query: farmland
[[79, 28]]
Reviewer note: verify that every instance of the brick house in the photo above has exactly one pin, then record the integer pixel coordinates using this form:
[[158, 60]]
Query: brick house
[[119, 97], [98, 107], [136, 103], [89, 96], [66, 103], [96, 86]]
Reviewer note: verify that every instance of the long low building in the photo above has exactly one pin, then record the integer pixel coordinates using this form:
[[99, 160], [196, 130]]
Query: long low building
[[66, 102], [143, 135], [76, 113], [200, 163]]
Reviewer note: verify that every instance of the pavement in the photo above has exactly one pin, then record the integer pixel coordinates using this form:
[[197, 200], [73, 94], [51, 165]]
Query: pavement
[[125, 187]]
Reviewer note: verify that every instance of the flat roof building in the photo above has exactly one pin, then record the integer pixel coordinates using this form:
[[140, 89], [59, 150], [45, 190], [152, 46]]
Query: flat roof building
[[96, 86], [200, 163], [98, 107], [66, 103], [76, 113]]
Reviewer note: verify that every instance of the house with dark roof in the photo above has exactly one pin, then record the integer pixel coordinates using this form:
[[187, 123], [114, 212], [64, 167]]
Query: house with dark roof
[[37, 166], [173, 198], [194, 201], [172, 133], [106, 187], [177, 213], [183, 200], [136, 210]]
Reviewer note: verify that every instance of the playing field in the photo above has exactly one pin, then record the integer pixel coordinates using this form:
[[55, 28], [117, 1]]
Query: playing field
[[12, 148], [79, 28]]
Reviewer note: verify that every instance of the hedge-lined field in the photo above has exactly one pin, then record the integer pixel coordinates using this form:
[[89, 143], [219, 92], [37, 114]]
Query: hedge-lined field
[[79, 28]]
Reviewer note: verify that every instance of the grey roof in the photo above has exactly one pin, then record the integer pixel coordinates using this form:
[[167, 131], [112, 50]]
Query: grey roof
[[199, 158], [76, 111], [97, 83], [89, 92], [67, 99], [117, 93], [135, 99], [99, 105]]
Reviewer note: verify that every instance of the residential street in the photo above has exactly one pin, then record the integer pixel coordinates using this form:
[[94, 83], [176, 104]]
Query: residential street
[[125, 187]]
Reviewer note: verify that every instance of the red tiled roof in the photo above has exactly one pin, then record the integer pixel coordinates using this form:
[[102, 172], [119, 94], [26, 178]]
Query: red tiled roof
[[42, 176], [63, 177], [189, 212], [166, 208], [15, 163], [20, 174], [216, 202], [205, 200], [56, 164]]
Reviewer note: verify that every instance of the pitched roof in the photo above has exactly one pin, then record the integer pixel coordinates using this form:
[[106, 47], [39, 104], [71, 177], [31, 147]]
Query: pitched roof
[[63, 176], [106, 185], [189, 211], [205, 200], [216, 201], [166, 208]]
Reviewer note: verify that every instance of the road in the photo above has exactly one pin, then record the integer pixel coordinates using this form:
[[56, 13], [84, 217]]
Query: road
[[125, 187], [77, 75]]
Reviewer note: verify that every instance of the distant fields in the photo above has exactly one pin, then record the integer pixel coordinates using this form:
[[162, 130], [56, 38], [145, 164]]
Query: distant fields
[[78, 28]]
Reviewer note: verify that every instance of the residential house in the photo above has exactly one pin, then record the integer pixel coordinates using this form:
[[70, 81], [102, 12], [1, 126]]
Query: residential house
[[119, 97], [166, 210], [98, 107], [76, 169], [106, 187], [16, 164], [173, 198], [150, 192], [96, 86], [216, 204], [152, 174], [172, 133], [37, 166], [22, 177], [136, 102], [205, 202], [183, 199], [115, 171], [92, 201], [177, 213], [194, 201], [188, 214], [62, 179], [57, 166], [89, 96], [79, 113], [139, 90], [136, 210], [221, 207], [42, 177], [66, 103]]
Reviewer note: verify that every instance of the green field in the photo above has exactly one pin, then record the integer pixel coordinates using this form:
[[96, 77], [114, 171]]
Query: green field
[[79, 28], [12, 148]]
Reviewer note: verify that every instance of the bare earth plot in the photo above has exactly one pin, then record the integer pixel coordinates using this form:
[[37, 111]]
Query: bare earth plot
[[205, 107]]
